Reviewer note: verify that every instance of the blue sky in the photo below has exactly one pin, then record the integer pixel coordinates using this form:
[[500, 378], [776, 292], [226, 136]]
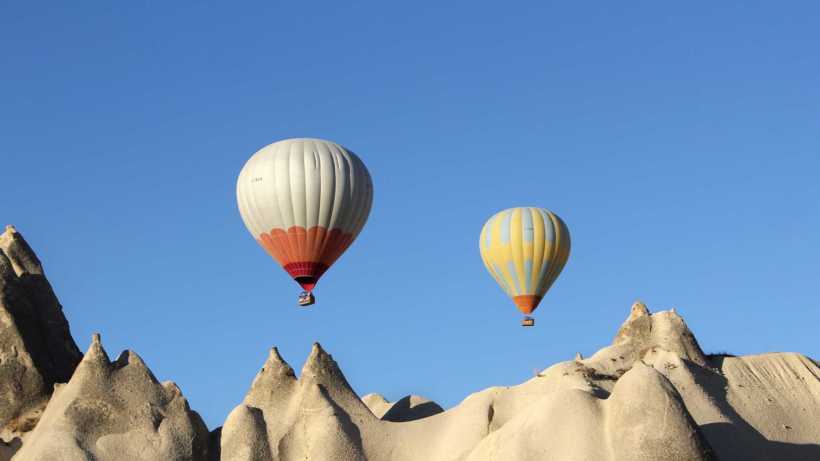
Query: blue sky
[[679, 143]]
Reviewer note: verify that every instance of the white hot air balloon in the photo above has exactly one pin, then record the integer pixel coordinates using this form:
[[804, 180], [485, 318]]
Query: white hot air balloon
[[304, 201]]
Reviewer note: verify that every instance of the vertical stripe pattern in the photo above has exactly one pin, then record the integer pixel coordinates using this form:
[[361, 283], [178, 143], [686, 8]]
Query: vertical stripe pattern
[[304, 201], [524, 250]]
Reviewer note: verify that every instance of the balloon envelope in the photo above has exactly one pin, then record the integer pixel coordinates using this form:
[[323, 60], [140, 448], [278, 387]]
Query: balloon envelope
[[524, 249], [304, 201]]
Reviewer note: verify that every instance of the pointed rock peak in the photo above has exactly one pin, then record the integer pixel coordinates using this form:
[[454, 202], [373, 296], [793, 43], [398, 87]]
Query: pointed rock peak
[[20, 254], [277, 365], [129, 358], [321, 367], [638, 309], [666, 329], [317, 350], [275, 358], [96, 353], [578, 357], [272, 380], [319, 362], [638, 323]]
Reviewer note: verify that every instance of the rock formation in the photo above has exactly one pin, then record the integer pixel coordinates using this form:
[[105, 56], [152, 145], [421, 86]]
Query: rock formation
[[36, 348], [565, 413], [315, 417], [651, 395], [116, 411], [408, 408]]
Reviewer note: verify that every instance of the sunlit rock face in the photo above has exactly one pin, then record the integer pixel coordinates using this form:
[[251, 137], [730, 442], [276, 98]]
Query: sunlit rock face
[[317, 416], [650, 395], [408, 408], [564, 412], [116, 411]]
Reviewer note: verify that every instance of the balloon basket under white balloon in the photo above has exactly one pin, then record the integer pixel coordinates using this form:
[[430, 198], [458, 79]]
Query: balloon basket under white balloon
[[306, 298]]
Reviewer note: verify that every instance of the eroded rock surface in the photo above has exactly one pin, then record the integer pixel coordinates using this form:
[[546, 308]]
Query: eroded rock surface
[[408, 408], [317, 416], [116, 411], [651, 395], [36, 347]]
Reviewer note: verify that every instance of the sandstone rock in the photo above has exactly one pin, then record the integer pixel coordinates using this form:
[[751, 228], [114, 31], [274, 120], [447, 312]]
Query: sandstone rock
[[651, 395], [283, 418], [648, 421], [116, 411], [640, 335], [666, 330], [377, 404], [408, 408]]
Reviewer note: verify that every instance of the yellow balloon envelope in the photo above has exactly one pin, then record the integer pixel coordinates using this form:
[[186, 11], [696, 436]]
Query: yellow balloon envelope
[[524, 249]]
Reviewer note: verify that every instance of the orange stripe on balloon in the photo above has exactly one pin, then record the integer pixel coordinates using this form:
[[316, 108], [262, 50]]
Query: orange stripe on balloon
[[305, 254], [299, 245], [282, 243], [526, 303], [314, 240], [296, 236], [266, 241]]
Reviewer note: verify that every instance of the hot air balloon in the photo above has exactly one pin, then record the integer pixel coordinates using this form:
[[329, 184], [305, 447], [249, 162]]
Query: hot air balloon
[[304, 201], [524, 249]]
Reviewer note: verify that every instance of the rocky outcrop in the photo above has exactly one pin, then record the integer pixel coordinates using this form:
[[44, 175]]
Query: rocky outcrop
[[315, 417], [644, 333], [408, 408], [650, 395], [644, 419], [116, 411], [36, 347], [666, 330], [641, 396], [755, 408], [565, 412]]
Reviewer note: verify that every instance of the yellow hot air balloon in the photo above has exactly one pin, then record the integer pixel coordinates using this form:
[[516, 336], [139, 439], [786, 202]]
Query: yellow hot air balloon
[[304, 201], [524, 249]]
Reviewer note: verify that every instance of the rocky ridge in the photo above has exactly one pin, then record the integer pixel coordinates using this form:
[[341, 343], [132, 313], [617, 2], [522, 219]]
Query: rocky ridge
[[116, 411], [651, 395]]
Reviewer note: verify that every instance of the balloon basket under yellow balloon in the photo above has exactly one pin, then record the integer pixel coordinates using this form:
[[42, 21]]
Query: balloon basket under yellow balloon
[[528, 322], [306, 299]]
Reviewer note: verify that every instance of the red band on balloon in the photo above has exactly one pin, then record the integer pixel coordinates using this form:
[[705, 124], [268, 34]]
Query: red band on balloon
[[305, 254]]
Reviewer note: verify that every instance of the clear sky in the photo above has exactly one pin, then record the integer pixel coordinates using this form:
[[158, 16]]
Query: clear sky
[[679, 143]]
